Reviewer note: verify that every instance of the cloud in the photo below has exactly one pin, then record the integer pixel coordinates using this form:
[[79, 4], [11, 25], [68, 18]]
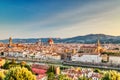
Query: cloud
[[71, 16], [107, 23], [93, 17]]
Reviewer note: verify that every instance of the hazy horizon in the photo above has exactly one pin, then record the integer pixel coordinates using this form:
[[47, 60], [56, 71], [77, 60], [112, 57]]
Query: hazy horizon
[[55, 37], [58, 18]]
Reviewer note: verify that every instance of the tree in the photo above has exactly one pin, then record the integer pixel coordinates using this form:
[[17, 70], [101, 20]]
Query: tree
[[5, 66], [51, 76], [84, 78], [51, 69], [13, 64], [106, 77], [28, 67], [97, 70], [111, 75], [63, 77], [18, 73], [2, 75], [13, 61]]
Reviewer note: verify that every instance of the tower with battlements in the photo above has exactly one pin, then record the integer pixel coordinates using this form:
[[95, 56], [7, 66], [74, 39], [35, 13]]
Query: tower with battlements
[[10, 42]]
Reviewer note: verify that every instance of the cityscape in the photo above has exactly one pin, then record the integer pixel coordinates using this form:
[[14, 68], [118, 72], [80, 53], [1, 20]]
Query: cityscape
[[59, 40]]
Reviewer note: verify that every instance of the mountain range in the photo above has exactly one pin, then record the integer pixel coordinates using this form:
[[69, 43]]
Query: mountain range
[[90, 38]]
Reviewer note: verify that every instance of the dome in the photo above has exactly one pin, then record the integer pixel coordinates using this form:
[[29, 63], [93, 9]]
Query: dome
[[50, 41]]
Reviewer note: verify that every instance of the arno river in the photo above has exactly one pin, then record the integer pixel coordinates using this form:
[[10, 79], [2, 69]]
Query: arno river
[[66, 63]]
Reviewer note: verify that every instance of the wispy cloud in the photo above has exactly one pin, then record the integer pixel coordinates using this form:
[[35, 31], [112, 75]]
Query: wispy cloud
[[78, 14], [94, 17]]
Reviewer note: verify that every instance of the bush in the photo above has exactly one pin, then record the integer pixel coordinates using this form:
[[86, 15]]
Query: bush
[[51, 76], [51, 69], [97, 71], [18, 73], [111, 75], [13, 64], [2, 76]]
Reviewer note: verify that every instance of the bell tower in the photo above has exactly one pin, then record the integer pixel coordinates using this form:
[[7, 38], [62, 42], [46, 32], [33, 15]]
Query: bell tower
[[98, 43], [98, 46], [10, 42]]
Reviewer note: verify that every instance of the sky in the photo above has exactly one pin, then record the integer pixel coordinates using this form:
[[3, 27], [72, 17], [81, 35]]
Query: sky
[[58, 18]]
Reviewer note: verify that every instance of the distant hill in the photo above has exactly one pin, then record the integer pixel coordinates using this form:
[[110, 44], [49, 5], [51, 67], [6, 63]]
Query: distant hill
[[90, 38]]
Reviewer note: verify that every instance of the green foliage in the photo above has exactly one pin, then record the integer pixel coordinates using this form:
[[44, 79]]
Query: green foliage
[[2, 75], [18, 73], [13, 64], [97, 71], [51, 73], [5, 66], [111, 53], [106, 77], [63, 67], [63, 77], [51, 69], [84, 78], [28, 67], [13, 61], [104, 61], [51, 76], [111, 75]]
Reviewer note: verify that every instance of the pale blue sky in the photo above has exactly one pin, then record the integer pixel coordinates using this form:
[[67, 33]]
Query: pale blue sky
[[58, 18]]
